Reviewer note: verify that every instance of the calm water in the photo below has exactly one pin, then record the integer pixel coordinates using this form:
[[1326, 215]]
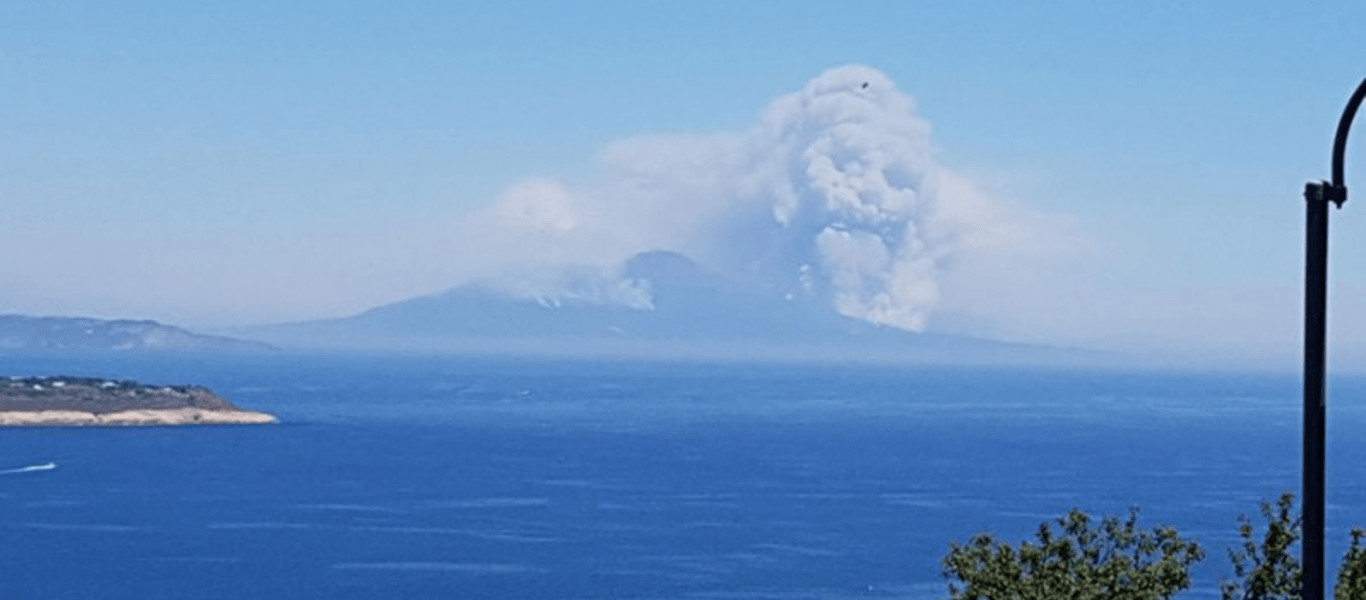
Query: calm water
[[524, 480]]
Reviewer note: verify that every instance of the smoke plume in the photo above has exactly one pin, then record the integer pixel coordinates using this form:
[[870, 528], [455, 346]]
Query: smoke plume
[[833, 197]]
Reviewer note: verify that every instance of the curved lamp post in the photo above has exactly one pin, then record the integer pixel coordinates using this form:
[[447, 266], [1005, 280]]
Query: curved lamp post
[[1317, 196]]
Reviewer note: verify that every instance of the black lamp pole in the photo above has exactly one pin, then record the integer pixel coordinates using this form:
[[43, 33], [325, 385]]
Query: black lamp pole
[[1318, 195]]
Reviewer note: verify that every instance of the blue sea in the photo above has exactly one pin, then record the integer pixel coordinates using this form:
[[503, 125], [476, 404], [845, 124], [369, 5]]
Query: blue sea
[[525, 479]]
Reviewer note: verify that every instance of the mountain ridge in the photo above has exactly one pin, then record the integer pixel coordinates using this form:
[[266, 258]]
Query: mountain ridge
[[29, 333], [654, 302]]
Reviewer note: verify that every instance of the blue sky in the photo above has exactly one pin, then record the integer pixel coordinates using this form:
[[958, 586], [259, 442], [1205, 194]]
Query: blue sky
[[221, 163]]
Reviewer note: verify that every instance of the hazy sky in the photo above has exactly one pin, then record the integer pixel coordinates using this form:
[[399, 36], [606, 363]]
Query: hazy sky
[[228, 163]]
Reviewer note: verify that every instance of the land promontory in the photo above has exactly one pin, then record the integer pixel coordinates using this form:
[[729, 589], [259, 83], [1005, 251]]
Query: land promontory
[[60, 401]]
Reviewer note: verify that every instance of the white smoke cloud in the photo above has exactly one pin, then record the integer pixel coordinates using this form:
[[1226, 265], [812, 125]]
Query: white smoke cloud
[[541, 205], [575, 285], [834, 196]]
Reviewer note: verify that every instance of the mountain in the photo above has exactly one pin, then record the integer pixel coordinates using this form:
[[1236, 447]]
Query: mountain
[[20, 333], [659, 303]]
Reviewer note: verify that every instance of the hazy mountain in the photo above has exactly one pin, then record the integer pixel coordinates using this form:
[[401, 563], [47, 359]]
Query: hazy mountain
[[656, 303], [25, 333]]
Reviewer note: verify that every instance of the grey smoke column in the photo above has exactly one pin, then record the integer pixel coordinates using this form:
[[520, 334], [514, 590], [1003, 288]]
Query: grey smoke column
[[831, 198], [845, 174]]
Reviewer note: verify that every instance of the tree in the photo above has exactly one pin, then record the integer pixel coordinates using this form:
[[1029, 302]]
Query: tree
[[1114, 559], [1267, 570], [1352, 579]]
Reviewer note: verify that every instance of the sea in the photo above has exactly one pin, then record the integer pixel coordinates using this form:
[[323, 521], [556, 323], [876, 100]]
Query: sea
[[439, 477]]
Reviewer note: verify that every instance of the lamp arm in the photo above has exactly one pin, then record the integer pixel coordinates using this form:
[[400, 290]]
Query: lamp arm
[[1340, 140]]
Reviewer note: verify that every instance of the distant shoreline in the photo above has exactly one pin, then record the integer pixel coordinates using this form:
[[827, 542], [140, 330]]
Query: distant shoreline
[[133, 418], [90, 402]]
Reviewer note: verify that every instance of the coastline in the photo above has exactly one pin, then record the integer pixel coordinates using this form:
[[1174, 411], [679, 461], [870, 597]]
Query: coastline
[[133, 418]]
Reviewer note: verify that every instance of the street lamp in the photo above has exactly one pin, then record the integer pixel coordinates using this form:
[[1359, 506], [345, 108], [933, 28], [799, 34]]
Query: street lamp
[[1317, 196]]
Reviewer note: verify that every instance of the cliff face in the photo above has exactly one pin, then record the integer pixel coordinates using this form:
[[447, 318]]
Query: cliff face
[[86, 401]]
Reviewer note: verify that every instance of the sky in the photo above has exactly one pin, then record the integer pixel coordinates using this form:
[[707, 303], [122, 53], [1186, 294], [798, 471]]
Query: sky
[[1127, 175]]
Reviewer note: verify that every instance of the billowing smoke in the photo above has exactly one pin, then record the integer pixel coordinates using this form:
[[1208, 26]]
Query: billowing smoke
[[832, 197]]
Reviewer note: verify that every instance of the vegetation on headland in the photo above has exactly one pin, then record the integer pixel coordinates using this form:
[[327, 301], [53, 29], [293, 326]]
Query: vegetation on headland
[[92, 401], [1080, 558]]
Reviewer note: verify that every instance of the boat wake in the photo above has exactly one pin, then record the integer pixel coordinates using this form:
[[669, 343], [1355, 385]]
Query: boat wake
[[30, 469]]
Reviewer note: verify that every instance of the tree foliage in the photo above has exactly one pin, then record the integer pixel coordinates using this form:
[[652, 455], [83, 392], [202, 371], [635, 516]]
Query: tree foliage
[[1114, 559], [1267, 569], [1076, 558], [1352, 579]]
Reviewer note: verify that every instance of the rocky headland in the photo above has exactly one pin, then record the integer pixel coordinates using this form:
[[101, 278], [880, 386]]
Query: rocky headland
[[61, 401]]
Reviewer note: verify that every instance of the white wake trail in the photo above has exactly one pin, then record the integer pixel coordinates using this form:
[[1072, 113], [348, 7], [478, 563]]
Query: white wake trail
[[30, 469]]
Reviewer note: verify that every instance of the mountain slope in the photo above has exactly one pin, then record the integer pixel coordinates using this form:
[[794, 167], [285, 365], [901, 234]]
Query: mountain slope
[[21, 333], [656, 302]]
